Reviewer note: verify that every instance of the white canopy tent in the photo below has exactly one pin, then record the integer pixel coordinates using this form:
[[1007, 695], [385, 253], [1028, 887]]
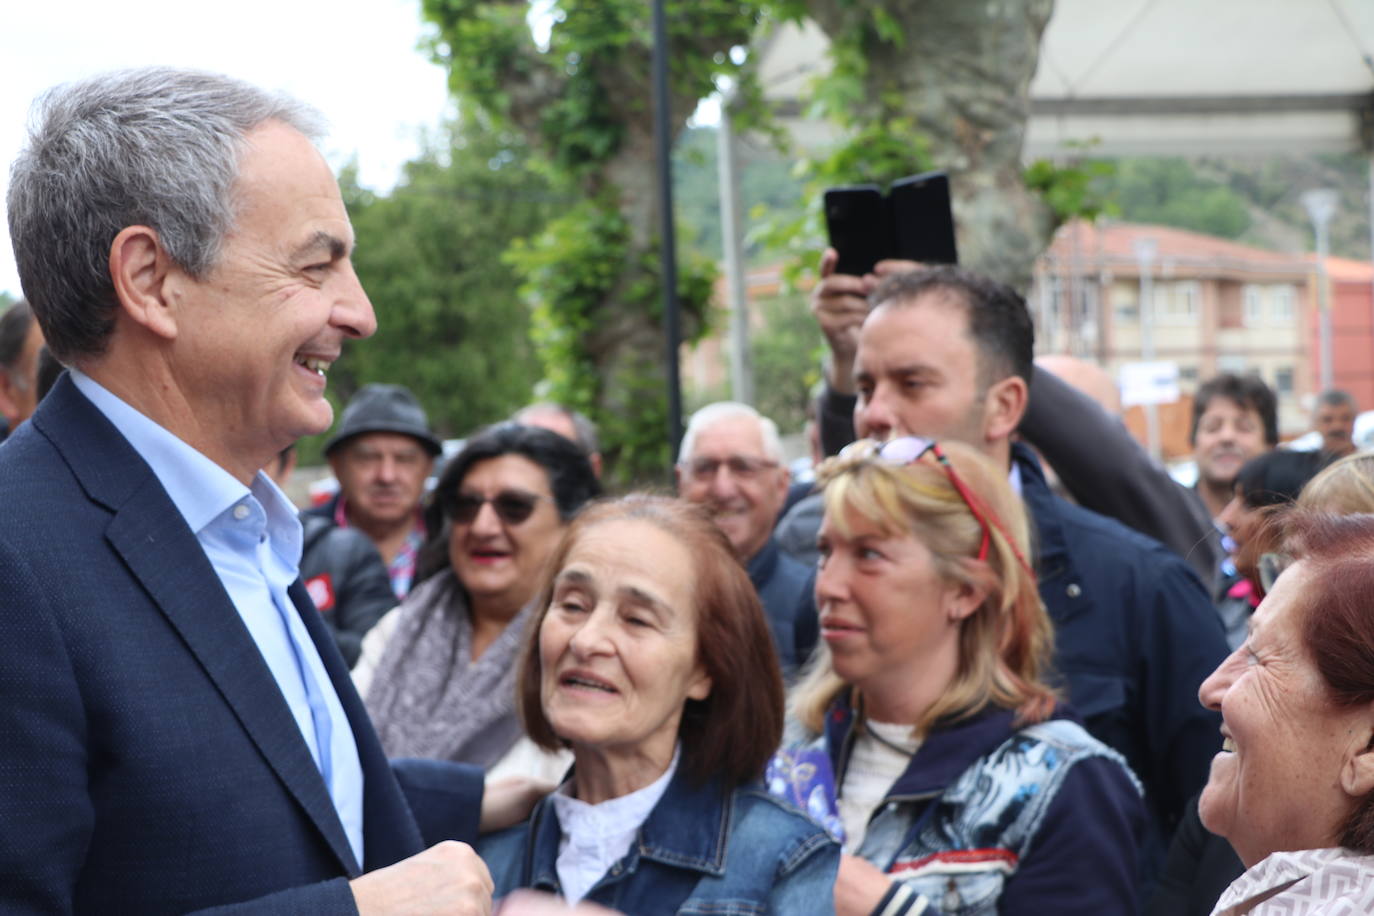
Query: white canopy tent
[[1205, 77]]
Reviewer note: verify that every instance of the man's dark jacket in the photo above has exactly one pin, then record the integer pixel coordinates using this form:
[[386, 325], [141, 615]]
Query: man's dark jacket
[[148, 761], [1135, 636], [787, 591]]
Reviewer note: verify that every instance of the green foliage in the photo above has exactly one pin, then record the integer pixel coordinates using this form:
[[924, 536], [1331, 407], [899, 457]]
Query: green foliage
[[567, 271], [765, 180], [1079, 190], [1171, 192], [878, 153], [450, 323], [592, 277], [786, 355], [882, 141], [579, 273], [6, 300]]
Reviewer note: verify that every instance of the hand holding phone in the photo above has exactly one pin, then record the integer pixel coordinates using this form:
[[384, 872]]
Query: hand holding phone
[[913, 222]]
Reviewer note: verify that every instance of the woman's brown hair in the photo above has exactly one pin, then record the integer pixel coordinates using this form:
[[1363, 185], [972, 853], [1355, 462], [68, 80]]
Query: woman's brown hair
[[1338, 623], [733, 731]]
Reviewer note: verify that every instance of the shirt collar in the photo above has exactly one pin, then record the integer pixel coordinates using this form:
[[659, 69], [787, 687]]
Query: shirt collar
[[613, 815], [688, 828], [200, 489]]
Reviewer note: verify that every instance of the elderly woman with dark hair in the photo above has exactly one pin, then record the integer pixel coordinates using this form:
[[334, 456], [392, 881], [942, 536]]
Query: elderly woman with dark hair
[[650, 657], [1292, 789], [438, 673]]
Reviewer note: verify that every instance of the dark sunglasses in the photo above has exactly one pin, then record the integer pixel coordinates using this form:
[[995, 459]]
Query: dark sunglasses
[[911, 449], [512, 506]]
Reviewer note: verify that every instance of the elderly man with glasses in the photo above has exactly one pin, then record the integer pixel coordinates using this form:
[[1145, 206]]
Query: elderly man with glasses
[[731, 463]]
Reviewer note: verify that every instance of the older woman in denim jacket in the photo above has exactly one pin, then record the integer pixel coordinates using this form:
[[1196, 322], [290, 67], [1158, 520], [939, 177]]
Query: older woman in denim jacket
[[651, 658], [923, 733]]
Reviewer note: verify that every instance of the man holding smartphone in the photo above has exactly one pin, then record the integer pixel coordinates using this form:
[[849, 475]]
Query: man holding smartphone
[[946, 354]]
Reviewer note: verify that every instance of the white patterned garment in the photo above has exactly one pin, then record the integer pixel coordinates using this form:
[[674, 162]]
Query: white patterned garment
[[596, 837], [1314, 882]]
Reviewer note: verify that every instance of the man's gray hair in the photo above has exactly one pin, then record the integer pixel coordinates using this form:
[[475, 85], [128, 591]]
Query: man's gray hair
[[583, 428], [712, 414], [158, 147]]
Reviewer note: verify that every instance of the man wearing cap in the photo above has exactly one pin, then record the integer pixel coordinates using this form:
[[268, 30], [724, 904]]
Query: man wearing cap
[[381, 455]]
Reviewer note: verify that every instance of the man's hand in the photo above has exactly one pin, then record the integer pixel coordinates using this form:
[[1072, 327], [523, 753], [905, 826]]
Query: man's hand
[[507, 802], [446, 879], [859, 888], [840, 304]]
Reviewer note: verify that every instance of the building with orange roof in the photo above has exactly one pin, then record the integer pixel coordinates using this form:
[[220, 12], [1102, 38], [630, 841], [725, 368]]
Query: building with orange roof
[[1352, 328], [1218, 306]]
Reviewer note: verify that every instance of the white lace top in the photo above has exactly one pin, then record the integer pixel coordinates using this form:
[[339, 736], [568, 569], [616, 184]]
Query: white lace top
[[595, 837]]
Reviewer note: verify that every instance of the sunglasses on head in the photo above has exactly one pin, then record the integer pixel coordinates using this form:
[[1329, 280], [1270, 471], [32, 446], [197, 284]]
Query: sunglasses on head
[[511, 506], [911, 449]]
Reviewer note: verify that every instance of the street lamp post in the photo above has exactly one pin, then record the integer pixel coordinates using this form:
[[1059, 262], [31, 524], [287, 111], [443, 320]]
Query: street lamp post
[[663, 143], [1321, 206], [1145, 250]]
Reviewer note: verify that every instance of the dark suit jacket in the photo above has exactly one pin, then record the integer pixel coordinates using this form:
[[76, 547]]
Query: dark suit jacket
[[148, 762]]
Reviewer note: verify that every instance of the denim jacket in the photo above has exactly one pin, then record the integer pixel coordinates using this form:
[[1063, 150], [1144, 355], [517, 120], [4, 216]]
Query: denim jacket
[[706, 849], [992, 819]]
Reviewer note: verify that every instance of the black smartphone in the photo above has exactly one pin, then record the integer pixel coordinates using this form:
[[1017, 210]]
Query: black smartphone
[[923, 219], [914, 221], [859, 221]]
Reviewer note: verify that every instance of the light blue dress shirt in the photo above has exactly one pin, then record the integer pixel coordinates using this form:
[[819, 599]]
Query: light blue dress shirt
[[252, 538]]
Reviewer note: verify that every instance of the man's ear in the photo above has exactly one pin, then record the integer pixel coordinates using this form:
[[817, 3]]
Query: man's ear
[[1003, 407], [1357, 774], [142, 274]]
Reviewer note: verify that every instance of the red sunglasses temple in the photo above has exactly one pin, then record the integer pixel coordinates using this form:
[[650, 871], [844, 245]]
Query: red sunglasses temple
[[985, 521]]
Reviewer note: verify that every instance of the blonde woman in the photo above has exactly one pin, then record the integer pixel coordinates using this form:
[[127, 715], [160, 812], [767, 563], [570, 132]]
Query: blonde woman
[[1343, 488], [924, 729]]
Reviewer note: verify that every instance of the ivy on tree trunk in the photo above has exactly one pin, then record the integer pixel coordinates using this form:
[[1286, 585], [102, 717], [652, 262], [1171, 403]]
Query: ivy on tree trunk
[[593, 275], [935, 83]]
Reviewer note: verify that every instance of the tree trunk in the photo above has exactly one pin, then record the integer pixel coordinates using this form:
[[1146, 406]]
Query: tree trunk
[[962, 70]]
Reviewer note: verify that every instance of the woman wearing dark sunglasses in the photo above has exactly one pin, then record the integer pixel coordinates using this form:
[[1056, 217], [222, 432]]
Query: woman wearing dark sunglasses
[[437, 674], [923, 731]]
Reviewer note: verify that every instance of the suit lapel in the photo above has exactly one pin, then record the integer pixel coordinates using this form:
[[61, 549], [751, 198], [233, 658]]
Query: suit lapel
[[390, 831], [163, 554]]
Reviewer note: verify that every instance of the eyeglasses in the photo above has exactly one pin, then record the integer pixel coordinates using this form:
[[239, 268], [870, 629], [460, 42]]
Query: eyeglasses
[[911, 449], [741, 467], [512, 506]]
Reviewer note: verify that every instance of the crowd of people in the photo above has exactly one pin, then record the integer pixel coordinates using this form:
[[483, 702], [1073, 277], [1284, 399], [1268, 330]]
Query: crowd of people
[[973, 667]]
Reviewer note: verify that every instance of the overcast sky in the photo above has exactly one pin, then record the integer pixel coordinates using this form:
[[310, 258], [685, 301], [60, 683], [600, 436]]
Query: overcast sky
[[354, 60]]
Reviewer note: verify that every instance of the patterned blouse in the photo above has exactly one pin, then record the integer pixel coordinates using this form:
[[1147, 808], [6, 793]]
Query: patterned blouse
[[1313, 882]]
